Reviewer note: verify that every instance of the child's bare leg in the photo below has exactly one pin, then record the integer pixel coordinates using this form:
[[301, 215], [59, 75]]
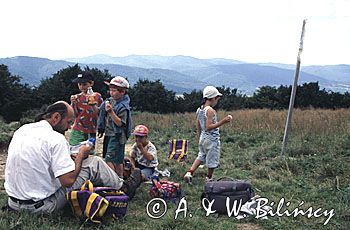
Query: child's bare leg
[[194, 166], [210, 173], [188, 175]]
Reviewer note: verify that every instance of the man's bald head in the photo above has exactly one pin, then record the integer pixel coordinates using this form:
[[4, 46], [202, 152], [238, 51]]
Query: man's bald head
[[60, 107], [59, 114], [69, 108]]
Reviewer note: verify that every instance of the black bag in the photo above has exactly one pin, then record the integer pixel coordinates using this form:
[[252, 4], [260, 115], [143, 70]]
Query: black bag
[[224, 187]]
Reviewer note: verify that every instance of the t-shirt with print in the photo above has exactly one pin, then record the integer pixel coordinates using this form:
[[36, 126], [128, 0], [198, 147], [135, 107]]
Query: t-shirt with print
[[85, 117], [150, 148], [109, 131]]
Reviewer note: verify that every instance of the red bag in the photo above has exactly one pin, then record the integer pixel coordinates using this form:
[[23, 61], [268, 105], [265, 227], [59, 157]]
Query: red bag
[[167, 190]]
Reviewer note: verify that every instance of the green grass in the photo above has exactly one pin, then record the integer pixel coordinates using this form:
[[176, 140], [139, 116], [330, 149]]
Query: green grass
[[316, 170]]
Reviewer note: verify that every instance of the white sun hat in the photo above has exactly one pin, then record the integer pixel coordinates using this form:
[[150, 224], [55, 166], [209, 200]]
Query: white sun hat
[[211, 92], [119, 81]]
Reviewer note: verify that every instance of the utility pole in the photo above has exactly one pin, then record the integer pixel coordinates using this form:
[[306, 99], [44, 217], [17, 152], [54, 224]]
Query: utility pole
[[294, 89]]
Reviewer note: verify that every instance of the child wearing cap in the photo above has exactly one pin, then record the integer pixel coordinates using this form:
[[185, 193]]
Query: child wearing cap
[[143, 153], [207, 125], [86, 109], [114, 122]]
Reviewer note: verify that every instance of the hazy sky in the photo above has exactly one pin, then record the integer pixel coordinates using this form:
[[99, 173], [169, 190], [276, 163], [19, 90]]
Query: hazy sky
[[246, 30]]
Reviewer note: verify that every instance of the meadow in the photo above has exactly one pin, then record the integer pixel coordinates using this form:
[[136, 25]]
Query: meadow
[[315, 170]]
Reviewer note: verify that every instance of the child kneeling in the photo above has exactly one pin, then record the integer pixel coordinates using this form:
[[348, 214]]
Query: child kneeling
[[144, 153]]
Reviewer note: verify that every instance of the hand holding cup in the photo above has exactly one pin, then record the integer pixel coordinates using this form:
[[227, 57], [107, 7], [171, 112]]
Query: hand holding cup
[[84, 150], [73, 99], [108, 106]]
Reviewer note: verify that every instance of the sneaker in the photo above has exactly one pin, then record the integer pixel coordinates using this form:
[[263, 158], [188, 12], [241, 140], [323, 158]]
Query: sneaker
[[188, 178], [132, 183]]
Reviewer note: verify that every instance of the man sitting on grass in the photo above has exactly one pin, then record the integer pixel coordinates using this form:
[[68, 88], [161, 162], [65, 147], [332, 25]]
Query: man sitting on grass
[[39, 168]]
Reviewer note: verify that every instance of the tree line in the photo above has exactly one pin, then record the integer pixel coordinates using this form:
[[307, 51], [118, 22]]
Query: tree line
[[18, 100]]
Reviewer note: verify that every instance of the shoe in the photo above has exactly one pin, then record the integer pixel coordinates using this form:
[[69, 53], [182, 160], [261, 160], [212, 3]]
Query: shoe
[[132, 183], [188, 178]]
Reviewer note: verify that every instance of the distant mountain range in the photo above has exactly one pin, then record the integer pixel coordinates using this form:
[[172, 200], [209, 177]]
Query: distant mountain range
[[184, 73], [177, 63]]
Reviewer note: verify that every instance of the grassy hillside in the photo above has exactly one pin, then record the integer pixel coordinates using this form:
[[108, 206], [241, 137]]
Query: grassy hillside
[[316, 170]]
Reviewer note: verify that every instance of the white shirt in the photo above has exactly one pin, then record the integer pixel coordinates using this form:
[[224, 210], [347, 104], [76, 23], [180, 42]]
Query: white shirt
[[37, 155], [150, 148]]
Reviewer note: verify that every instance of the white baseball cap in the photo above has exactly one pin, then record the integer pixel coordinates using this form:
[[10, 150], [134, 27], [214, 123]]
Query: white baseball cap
[[119, 81], [211, 92]]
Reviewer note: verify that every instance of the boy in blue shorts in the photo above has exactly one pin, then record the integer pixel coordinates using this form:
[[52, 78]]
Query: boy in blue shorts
[[114, 122]]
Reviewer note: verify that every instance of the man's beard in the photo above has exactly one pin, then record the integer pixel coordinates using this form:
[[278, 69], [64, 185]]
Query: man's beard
[[59, 128]]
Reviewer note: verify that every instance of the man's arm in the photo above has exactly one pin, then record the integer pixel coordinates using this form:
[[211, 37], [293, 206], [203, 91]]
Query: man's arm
[[68, 179]]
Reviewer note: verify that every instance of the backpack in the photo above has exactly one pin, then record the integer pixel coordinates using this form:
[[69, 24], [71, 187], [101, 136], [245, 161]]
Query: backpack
[[178, 150], [94, 203], [166, 190], [225, 187]]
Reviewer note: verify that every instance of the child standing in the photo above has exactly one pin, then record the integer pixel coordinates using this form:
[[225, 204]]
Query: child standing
[[207, 125], [86, 107], [115, 122], [143, 153]]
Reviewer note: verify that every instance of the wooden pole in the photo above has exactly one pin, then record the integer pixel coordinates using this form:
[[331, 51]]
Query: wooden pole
[[294, 89]]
